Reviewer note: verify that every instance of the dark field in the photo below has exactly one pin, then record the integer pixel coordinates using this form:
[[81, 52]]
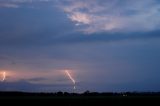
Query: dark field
[[85, 99]]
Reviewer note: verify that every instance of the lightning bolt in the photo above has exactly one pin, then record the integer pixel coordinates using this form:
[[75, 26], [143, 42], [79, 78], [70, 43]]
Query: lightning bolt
[[3, 76], [70, 77]]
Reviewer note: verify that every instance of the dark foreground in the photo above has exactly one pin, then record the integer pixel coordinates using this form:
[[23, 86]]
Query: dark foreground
[[85, 99]]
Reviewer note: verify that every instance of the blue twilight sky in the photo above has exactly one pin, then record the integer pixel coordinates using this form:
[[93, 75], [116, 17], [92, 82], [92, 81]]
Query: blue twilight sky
[[106, 45]]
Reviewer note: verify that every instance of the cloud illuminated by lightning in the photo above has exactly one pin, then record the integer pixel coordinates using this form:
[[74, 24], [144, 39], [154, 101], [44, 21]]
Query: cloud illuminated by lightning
[[112, 15]]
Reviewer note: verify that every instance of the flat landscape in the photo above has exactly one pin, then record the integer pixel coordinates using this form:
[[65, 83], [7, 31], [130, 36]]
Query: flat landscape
[[85, 99]]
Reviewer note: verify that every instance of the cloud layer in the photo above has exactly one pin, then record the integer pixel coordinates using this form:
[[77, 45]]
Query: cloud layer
[[92, 16], [111, 16]]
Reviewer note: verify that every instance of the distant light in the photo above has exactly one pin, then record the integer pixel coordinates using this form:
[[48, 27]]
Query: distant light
[[124, 95]]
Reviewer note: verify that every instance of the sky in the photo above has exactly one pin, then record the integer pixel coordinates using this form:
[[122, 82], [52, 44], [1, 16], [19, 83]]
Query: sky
[[106, 45]]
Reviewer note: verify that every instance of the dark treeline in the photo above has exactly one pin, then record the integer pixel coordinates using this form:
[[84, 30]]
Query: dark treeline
[[86, 93], [81, 99]]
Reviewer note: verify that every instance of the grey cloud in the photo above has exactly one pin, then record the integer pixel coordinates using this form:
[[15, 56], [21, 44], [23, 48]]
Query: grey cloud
[[2, 57], [77, 38], [36, 79]]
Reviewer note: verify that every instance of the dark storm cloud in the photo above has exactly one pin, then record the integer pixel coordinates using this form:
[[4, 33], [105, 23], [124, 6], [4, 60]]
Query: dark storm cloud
[[30, 27], [42, 27], [106, 37], [42, 39], [36, 79], [30, 87]]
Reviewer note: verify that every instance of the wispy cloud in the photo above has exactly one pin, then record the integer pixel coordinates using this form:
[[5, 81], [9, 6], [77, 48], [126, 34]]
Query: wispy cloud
[[111, 16], [9, 5], [20, 3]]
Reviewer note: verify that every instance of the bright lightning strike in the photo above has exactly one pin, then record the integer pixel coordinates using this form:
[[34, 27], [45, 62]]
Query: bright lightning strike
[[70, 77], [3, 76]]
